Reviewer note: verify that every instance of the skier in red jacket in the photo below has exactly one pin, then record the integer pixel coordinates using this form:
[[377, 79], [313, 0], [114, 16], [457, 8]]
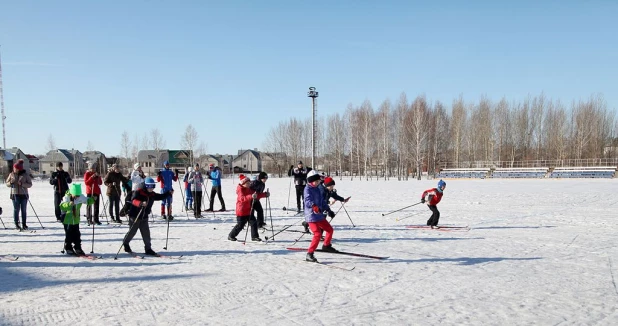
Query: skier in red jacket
[[245, 196], [432, 197]]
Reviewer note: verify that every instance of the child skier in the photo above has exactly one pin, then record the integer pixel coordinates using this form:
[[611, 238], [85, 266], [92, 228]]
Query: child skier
[[141, 205], [258, 186], [432, 197], [188, 193], [315, 206], [71, 206], [329, 186], [244, 197]]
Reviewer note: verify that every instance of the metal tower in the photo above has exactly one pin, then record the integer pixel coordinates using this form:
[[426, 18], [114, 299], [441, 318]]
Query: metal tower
[[314, 108], [2, 106]]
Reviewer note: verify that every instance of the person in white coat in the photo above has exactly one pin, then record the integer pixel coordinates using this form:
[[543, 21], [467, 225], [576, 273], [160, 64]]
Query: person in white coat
[[196, 181]]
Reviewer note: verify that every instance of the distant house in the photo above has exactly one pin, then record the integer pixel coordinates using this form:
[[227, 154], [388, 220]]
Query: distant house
[[152, 160], [72, 162], [34, 162], [19, 155], [98, 158], [6, 163], [247, 161]]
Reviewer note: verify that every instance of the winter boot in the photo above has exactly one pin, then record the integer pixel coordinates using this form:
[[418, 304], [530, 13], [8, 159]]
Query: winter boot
[[127, 248], [69, 250], [169, 213], [306, 225], [257, 239], [150, 252], [221, 210], [329, 248], [17, 227], [311, 258], [24, 226], [78, 251], [231, 238]]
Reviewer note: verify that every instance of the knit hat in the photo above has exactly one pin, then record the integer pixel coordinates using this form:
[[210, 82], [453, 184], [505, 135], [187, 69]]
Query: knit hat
[[136, 166], [243, 179], [115, 166], [300, 162], [166, 163], [329, 182], [76, 189], [262, 175], [189, 169], [58, 164], [19, 166], [312, 176], [91, 165]]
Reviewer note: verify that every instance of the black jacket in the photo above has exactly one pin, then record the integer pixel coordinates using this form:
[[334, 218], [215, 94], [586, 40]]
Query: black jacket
[[60, 180], [143, 195], [300, 175]]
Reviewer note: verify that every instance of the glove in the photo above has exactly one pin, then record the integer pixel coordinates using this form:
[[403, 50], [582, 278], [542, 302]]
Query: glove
[[331, 214], [422, 200], [254, 196], [315, 209], [267, 194], [346, 200], [291, 167]]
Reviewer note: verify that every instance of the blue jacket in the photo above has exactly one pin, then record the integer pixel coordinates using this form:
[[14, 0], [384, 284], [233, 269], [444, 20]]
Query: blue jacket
[[314, 196], [166, 178], [215, 176]]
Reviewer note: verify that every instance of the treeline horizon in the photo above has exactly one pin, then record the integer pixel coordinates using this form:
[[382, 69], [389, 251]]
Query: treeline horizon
[[396, 139]]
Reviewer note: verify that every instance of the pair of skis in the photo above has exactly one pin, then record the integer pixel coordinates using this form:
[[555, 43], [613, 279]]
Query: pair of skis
[[339, 253], [138, 256], [9, 257]]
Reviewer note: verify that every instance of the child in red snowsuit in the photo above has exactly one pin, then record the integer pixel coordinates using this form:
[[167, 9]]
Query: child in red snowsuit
[[432, 197]]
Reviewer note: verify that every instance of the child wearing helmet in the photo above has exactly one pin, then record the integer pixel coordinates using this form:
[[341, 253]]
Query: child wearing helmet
[[71, 205], [432, 197], [141, 206]]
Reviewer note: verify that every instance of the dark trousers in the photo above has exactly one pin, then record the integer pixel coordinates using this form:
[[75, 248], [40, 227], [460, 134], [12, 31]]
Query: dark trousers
[[144, 230], [127, 204], [299, 195], [20, 204], [435, 217], [89, 213], [57, 200], [240, 224], [72, 236], [216, 190], [114, 206], [257, 209], [197, 199]]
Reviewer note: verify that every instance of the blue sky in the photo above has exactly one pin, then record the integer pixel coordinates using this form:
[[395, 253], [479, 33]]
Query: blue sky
[[89, 70]]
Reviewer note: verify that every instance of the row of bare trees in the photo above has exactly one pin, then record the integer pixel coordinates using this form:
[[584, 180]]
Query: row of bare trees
[[403, 139]]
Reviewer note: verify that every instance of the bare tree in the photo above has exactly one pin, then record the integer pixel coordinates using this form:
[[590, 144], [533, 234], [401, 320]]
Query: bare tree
[[146, 141], [51, 143], [135, 149], [189, 141], [125, 146], [157, 140], [90, 146]]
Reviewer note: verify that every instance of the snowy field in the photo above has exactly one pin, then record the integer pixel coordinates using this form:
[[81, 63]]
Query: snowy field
[[538, 252]]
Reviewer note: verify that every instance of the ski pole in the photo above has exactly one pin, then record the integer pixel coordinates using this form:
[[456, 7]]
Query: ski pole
[[337, 212], [167, 236], [92, 248], [270, 212], [35, 214], [249, 220], [384, 214], [130, 229], [346, 212], [4, 226], [285, 228], [289, 192], [104, 211]]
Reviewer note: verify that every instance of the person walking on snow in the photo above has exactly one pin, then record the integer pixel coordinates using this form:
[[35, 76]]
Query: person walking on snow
[[60, 179], [214, 174], [71, 206], [244, 197], [141, 205], [93, 182], [258, 185], [196, 181], [166, 178], [113, 181], [432, 197], [19, 181], [300, 180], [188, 193], [315, 207]]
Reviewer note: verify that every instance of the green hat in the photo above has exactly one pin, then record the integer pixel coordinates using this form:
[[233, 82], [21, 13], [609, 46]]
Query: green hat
[[76, 189]]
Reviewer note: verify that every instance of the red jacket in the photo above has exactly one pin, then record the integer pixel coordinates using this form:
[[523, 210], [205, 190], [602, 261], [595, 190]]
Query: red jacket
[[91, 181], [244, 199], [433, 196]]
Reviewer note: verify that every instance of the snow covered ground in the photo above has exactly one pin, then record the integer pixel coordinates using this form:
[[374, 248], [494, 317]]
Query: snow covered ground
[[537, 252]]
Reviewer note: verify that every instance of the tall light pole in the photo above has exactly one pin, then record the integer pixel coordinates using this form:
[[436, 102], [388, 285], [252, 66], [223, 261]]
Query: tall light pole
[[2, 108], [314, 108]]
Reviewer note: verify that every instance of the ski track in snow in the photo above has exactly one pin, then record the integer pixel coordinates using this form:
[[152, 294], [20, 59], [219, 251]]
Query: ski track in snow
[[534, 254]]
